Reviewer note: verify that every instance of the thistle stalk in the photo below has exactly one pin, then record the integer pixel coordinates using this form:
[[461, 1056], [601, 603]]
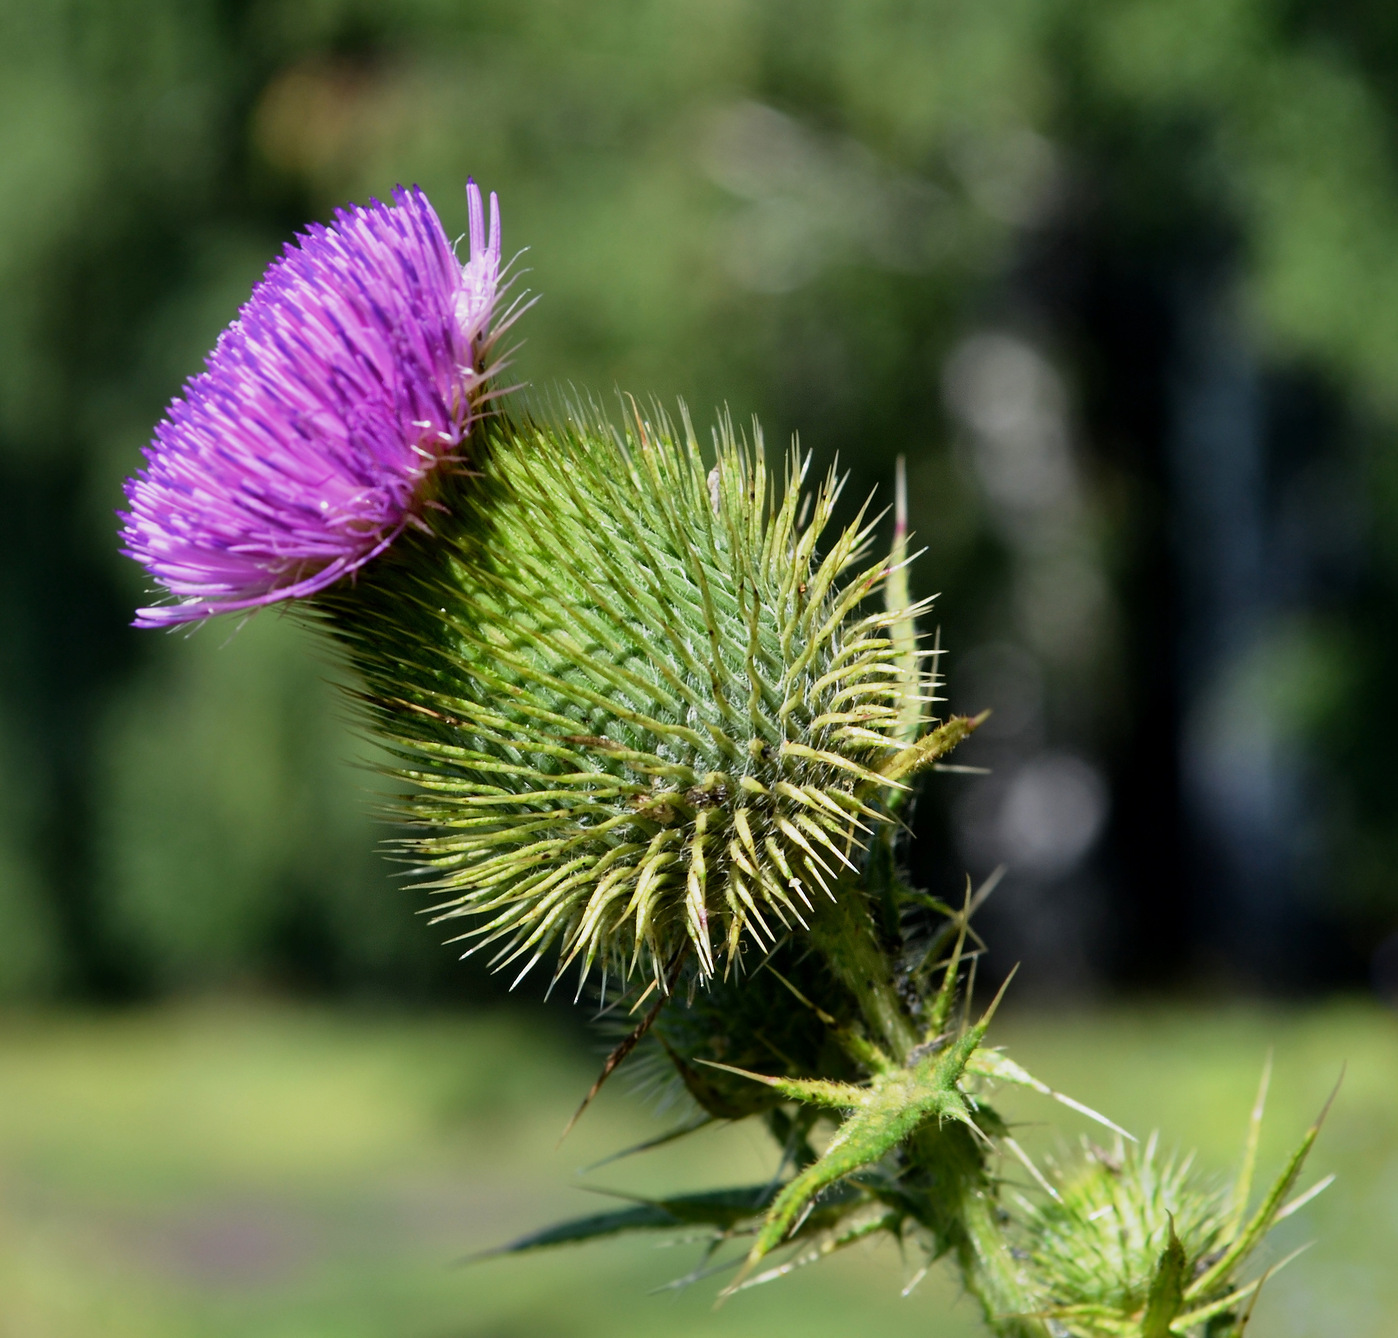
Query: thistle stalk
[[988, 1268], [843, 932]]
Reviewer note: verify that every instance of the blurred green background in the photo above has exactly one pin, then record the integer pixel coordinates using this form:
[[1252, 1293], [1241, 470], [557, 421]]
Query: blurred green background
[[1118, 277], [231, 1171]]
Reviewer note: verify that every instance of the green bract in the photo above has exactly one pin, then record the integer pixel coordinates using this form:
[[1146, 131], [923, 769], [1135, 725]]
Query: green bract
[[641, 713]]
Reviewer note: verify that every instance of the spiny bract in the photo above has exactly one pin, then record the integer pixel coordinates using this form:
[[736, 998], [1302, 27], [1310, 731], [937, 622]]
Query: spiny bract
[[637, 709]]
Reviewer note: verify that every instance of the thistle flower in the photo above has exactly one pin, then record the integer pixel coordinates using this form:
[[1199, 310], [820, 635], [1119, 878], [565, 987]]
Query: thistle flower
[[357, 367], [639, 709]]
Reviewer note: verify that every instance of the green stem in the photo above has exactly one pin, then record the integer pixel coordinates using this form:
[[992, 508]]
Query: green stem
[[988, 1269], [961, 1211], [843, 932]]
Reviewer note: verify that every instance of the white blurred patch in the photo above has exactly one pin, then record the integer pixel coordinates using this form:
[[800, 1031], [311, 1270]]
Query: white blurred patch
[[1052, 814], [1015, 405], [1014, 410], [1042, 820], [1014, 176]]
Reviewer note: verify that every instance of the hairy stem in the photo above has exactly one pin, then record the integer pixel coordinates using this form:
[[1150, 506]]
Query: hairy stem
[[844, 934], [945, 1163], [988, 1269]]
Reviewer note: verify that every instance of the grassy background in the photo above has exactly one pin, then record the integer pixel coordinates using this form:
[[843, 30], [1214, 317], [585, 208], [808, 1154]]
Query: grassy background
[[237, 1168]]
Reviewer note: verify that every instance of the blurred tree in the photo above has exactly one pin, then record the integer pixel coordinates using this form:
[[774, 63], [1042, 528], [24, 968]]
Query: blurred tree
[[1089, 265]]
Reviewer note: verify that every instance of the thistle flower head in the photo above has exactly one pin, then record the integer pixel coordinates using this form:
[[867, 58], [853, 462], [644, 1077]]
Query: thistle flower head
[[640, 710], [358, 365]]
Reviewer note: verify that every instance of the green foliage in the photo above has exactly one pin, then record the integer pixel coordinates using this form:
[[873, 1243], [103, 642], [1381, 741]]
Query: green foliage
[[31, 960], [640, 712], [209, 880], [173, 1158]]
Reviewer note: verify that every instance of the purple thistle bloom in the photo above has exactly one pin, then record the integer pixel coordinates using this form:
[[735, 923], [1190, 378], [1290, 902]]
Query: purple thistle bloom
[[356, 368]]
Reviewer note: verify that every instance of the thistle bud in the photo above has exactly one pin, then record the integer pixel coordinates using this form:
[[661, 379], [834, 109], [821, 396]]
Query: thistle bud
[[1119, 1223], [642, 714]]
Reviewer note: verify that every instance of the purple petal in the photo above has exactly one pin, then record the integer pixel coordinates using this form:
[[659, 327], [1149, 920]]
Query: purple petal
[[357, 366]]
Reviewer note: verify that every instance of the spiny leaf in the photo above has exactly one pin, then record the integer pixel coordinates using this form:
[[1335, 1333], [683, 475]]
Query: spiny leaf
[[883, 1115], [721, 1209], [931, 746], [943, 1000], [643, 1217], [659, 1141], [999, 1067], [809, 1091], [826, 1244], [1204, 1313]]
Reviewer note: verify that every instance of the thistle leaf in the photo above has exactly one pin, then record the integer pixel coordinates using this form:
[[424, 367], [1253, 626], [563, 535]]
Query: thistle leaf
[[598, 1226], [883, 1115], [809, 1091], [659, 1141], [721, 1209], [931, 746], [1204, 1313], [999, 1067], [826, 1244]]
